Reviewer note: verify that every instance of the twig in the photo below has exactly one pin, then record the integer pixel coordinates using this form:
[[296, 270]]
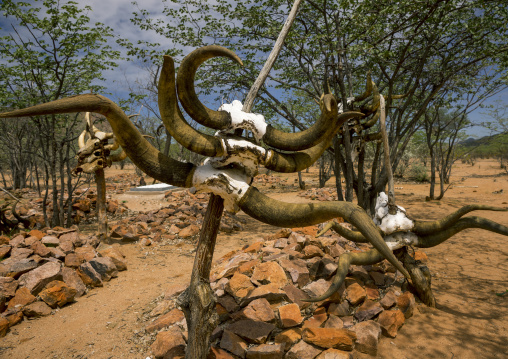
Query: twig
[[10, 194]]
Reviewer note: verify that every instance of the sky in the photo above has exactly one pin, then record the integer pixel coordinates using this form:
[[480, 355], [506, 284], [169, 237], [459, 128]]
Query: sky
[[117, 14]]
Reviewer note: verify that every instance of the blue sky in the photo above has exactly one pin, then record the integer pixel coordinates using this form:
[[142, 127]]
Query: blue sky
[[116, 14]]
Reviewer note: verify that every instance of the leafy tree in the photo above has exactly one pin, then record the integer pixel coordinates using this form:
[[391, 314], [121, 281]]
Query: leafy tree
[[427, 50], [52, 51]]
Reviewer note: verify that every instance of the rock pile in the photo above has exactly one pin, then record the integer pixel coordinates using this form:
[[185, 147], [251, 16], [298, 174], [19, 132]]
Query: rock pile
[[181, 219], [320, 194], [40, 271], [260, 291]]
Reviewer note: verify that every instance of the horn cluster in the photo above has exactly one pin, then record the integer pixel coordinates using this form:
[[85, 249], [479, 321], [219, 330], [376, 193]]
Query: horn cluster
[[95, 152]]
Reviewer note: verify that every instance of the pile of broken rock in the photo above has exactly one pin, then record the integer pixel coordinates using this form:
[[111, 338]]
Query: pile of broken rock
[[180, 219], [40, 271], [260, 291]]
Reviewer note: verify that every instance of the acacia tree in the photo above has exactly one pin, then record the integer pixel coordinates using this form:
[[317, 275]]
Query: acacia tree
[[52, 51], [412, 48]]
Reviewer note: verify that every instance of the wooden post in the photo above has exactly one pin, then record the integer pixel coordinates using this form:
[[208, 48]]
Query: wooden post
[[198, 301], [102, 217]]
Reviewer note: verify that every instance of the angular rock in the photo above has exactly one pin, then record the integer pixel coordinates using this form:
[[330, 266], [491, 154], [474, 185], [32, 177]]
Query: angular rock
[[258, 310], [89, 276], [72, 237], [5, 249], [289, 337], [312, 251], [233, 343], [297, 269], [173, 317], [13, 316], [57, 253], [218, 353], [265, 351], [239, 286], [168, 344], [189, 231], [254, 248], [50, 241], [57, 293], [342, 339], [36, 310], [229, 303], [23, 297], [372, 292], [8, 286], [4, 327], [302, 350], [355, 294], [85, 253], [21, 267], [339, 309], [406, 303], [295, 295], [72, 279], [333, 322], [378, 278], [229, 267], [317, 319], [270, 292], [368, 310], [367, 334], [252, 331], [335, 354], [317, 288], [36, 233], [290, 315], [247, 268], [269, 272], [105, 267], [389, 299], [38, 278], [117, 257], [66, 246], [391, 321], [324, 268]]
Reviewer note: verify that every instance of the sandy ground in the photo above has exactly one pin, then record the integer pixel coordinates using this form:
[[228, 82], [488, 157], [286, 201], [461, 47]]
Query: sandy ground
[[470, 320]]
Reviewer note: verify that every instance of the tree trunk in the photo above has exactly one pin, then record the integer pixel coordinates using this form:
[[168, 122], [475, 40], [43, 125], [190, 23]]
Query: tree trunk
[[338, 178], [198, 300], [420, 276], [102, 217]]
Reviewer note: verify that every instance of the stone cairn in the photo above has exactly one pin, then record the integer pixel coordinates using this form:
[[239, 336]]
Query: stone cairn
[[260, 291], [41, 271]]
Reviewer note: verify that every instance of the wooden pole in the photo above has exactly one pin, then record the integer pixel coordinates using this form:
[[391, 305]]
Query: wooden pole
[[102, 217]]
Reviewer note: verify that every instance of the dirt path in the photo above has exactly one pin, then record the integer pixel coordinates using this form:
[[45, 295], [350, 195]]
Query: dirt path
[[468, 270]]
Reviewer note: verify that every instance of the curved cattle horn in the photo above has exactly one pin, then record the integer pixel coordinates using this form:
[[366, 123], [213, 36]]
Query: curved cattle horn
[[114, 146], [81, 140], [174, 121], [140, 151], [374, 105], [24, 220], [117, 157], [298, 161], [434, 239], [369, 257], [218, 120], [422, 228], [353, 236], [328, 121], [281, 214], [368, 89]]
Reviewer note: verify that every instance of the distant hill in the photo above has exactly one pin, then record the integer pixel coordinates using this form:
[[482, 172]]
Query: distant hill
[[485, 141]]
